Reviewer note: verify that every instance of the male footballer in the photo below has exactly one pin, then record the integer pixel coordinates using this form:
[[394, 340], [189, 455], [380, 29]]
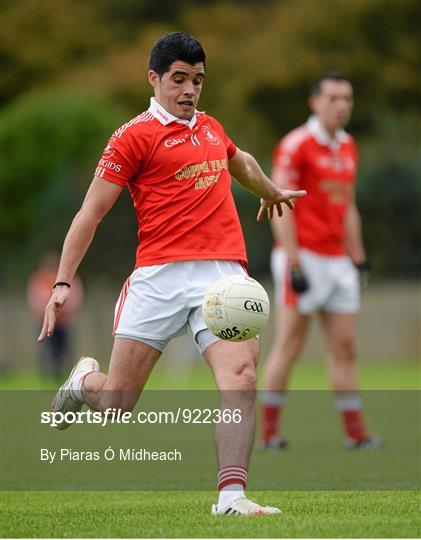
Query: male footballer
[[177, 164], [318, 258]]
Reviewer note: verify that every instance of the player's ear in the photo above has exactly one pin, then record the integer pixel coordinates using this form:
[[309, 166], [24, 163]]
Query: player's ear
[[153, 78], [312, 103]]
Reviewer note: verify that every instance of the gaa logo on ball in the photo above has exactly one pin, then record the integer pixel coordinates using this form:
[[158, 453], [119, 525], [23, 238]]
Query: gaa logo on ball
[[236, 308]]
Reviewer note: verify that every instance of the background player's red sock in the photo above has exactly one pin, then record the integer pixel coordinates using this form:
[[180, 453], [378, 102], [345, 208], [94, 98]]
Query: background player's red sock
[[270, 418], [350, 408], [271, 414], [354, 425]]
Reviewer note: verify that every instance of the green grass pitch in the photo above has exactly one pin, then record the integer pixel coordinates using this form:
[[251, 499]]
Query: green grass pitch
[[317, 514], [186, 514]]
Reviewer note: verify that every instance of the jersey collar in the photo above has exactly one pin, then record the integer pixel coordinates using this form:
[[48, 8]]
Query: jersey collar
[[163, 116], [322, 136]]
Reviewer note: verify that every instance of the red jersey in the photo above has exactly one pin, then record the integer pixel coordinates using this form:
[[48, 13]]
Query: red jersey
[[177, 174], [308, 158]]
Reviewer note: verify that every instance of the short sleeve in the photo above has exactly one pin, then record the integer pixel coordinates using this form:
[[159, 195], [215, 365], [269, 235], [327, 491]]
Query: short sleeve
[[355, 152], [229, 145], [120, 159], [286, 164]]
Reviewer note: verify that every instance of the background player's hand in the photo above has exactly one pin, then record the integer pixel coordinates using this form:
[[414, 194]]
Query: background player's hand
[[283, 196], [364, 274], [298, 279], [57, 301]]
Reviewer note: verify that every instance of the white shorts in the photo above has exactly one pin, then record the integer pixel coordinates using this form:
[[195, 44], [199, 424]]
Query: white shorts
[[333, 283], [163, 301]]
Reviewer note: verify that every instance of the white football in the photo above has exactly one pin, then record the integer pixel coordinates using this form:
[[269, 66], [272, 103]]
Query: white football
[[236, 308]]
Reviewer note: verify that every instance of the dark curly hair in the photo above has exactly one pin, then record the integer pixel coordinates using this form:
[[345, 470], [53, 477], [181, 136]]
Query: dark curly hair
[[175, 46]]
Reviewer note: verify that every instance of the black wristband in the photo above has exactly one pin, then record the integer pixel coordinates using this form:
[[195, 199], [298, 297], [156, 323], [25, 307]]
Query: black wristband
[[60, 283]]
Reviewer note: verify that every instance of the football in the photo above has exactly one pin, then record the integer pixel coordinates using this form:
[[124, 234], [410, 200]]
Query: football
[[236, 308]]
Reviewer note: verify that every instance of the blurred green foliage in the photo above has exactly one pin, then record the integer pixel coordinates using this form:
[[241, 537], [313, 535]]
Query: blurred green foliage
[[71, 72], [389, 197], [43, 139], [49, 145]]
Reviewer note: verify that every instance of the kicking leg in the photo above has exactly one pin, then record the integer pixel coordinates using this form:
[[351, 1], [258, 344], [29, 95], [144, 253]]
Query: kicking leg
[[130, 366]]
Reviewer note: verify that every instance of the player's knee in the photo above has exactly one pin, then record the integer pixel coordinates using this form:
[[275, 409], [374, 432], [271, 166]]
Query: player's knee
[[288, 355], [246, 376], [348, 348], [289, 347]]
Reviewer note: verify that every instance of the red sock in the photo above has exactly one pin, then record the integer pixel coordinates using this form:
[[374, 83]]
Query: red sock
[[270, 418], [232, 475], [354, 424]]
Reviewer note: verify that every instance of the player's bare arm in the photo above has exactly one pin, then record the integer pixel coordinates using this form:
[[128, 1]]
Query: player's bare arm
[[245, 169], [285, 233], [99, 199], [353, 235]]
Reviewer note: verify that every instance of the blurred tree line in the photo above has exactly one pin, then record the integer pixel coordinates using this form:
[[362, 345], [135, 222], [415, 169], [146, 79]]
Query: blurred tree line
[[73, 71]]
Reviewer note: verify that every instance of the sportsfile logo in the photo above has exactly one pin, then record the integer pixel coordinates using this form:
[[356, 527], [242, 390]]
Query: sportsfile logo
[[253, 305], [112, 415]]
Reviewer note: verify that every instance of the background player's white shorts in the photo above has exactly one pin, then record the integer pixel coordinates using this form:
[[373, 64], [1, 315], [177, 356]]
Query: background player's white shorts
[[163, 301], [333, 282]]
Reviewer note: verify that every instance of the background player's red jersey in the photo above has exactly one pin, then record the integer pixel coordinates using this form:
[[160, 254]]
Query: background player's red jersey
[[307, 158], [178, 168]]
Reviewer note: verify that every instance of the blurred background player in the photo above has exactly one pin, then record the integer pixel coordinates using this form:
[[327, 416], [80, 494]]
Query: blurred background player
[[55, 353], [318, 261], [177, 164]]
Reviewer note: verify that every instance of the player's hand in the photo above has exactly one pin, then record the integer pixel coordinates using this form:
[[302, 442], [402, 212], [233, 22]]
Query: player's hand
[[298, 279], [57, 301], [284, 196], [364, 274]]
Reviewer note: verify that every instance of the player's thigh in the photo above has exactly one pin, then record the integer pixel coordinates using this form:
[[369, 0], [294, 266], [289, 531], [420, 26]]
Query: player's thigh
[[340, 330], [345, 297], [130, 366], [291, 330], [321, 281], [152, 304], [279, 271], [234, 364]]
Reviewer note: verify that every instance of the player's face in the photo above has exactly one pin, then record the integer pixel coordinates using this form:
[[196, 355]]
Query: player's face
[[179, 88], [334, 104]]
